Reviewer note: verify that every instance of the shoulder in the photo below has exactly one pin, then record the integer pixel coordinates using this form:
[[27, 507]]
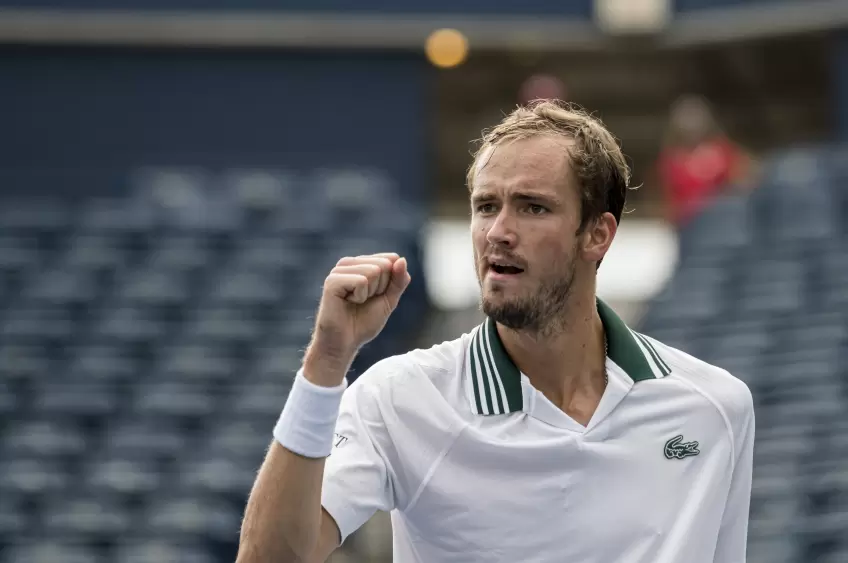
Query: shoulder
[[727, 393], [415, 375], [417, 396], [420, 363]]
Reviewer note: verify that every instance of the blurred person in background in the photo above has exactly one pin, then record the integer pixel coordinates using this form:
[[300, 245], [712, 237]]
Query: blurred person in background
[[540, 87], [551, 432], [698, 160]]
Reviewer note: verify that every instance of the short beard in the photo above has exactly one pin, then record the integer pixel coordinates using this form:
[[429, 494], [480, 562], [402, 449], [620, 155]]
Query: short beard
[[541, 314]]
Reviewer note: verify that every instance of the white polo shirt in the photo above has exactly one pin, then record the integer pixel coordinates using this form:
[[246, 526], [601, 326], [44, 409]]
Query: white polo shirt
[[476, 465]]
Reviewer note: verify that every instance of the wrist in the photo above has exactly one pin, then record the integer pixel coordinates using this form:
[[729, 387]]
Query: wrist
[[325, 368], [306, 425]]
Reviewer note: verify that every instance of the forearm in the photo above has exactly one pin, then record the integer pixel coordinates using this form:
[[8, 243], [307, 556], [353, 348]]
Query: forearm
[[282, 521]]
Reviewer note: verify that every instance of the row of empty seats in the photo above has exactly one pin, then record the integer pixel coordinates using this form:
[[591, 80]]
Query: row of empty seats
[[147, 345], [760, 291]]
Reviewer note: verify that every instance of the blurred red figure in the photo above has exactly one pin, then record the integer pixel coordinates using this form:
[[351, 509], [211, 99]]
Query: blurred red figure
[[541, 87], [698, 161]]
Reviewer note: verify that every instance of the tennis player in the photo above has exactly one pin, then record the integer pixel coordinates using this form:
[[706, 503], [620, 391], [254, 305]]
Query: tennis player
[[550, 433]]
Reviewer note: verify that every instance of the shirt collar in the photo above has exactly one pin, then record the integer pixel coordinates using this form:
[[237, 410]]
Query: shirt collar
[[494, 381]]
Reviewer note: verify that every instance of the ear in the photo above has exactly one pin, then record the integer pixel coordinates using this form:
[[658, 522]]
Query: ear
[[598, 236]]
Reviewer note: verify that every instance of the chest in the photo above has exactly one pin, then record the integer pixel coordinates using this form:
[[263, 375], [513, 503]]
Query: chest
[[565, 491]]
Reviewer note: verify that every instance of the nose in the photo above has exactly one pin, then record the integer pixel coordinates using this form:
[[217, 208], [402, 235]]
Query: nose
[[502, 230]]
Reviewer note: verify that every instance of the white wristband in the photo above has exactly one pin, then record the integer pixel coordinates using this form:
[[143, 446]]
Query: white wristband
[[308, 421]]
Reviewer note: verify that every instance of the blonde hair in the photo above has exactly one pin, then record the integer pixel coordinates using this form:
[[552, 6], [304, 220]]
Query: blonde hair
[[596, 158]]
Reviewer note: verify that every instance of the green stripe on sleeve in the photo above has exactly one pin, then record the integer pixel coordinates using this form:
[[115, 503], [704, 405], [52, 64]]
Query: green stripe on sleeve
[[473, 375], [487, 386], [659, 363]]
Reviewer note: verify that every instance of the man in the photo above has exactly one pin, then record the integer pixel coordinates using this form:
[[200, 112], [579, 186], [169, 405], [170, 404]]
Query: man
[[550, 433]]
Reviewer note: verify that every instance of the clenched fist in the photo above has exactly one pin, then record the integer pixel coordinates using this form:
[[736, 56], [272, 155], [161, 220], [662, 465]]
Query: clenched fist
[[359, 296]]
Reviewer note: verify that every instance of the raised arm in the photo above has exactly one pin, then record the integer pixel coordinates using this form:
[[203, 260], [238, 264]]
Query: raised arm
[[284, 520]]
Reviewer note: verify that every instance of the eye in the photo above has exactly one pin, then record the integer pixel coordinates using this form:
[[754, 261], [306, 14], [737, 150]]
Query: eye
[[536, 209], [486, 208]]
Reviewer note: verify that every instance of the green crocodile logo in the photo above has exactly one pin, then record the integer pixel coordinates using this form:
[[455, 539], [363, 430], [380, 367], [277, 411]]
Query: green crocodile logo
[[677, 449]]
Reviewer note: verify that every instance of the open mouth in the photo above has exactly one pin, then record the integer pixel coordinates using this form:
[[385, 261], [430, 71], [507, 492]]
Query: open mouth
[[506, 270]]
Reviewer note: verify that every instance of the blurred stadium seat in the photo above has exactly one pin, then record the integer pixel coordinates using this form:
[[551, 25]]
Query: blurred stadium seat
[[760, 291], [141, 368], [178, 177], [147, 351]]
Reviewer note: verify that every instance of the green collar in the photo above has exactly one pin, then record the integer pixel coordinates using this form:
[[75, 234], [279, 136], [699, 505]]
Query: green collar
[[495, 381]]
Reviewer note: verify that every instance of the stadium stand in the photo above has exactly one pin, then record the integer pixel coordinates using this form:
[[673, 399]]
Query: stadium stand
[[760, 291], [148, 344]]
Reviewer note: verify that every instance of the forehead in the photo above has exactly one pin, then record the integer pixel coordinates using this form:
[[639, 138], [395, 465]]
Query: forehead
[[541, 162]]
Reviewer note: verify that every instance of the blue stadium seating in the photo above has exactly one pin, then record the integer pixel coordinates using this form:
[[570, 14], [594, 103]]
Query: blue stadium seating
[[149, 342], [760, 291], [147, 345]]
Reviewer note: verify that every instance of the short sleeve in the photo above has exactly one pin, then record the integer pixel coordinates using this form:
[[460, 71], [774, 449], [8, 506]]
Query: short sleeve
[[357, 474], [732, 539]]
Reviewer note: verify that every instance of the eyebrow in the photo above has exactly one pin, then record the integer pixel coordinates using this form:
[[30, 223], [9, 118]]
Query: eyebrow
[[524, 195]]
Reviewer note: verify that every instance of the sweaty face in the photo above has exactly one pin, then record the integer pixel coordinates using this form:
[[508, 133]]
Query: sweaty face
[[525, 218]]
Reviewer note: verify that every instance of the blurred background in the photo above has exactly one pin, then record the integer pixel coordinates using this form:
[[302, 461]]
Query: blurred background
[[177, 177]]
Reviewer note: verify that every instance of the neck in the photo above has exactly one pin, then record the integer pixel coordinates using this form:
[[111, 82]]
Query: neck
[[566, 364]]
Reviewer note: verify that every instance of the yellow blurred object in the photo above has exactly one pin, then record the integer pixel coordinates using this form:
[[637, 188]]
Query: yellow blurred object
[[446, 48]]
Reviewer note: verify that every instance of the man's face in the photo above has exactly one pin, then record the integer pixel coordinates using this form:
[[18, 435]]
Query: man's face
[[525, 219]]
